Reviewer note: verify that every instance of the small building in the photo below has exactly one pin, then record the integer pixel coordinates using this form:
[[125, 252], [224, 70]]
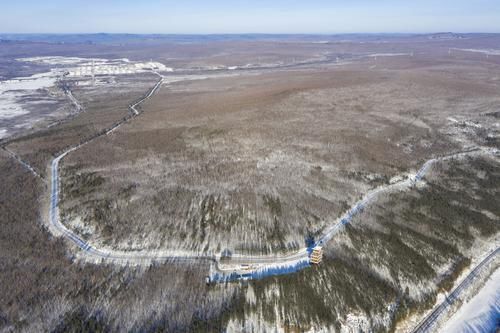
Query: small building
[[316, 255]]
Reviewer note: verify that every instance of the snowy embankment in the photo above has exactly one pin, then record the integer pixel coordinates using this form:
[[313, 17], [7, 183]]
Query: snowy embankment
[[481, 313], [259, 272]]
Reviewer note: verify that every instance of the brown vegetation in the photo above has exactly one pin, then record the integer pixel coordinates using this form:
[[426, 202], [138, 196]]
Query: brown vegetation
[[103, 106], [255, 162], [43, 289]]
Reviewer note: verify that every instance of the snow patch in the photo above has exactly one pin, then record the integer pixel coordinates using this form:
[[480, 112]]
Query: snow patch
[[15, 92], [18, 96], [483, 51], [389, 54], [481, 313]]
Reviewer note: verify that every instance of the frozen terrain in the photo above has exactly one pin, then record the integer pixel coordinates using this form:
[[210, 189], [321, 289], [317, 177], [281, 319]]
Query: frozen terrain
[[481, 313], [18, 95], [25, 101]]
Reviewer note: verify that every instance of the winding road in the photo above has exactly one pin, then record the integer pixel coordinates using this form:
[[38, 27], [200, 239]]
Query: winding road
[[235, 262], [235, 265], [238, 266]]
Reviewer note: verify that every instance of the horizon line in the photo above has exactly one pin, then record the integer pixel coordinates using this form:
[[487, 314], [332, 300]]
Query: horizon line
[[248, 33]]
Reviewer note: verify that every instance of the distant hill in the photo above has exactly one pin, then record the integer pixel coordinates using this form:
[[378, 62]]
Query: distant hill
[[446, 36], [107, 38]]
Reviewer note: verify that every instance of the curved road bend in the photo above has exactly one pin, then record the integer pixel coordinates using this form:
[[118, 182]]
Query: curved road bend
[[303, 254], [140, 257], [54, 220], [78, 107], [427, 324]]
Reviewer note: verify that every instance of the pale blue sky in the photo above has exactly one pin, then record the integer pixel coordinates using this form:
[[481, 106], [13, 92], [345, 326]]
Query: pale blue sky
[[256, 16]]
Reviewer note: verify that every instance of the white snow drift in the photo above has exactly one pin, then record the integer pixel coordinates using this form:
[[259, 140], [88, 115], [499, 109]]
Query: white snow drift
[[481, 313]]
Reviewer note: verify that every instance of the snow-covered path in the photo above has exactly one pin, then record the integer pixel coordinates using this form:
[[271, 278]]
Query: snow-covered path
[[401, 185], [277, 264], [24, 163], [262, 265], [73, 100], [55, 224]]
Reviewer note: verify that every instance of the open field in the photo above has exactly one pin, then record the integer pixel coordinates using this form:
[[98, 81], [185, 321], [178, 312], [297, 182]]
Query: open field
[[252, 147]]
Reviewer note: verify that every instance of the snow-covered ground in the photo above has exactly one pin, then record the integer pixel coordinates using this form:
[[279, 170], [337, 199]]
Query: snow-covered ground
[[481, 313], [16, 96], [483, 51], [22, 104], [389, 55], [78, 67], [11, 91]]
